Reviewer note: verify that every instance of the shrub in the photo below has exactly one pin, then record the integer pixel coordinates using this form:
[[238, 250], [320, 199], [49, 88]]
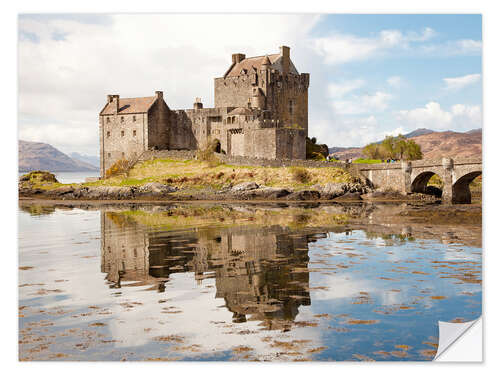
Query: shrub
[[207, 153], [301, 174], [39, 177], [319, 156], [119, 167]]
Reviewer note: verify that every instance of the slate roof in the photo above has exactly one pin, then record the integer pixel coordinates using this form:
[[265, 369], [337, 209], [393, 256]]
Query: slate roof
[[256, 62], [130, 105]]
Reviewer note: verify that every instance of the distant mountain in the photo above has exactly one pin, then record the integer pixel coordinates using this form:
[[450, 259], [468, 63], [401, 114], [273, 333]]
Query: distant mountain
[[89, 159], [42, 156], [434, 144], [420, 131]]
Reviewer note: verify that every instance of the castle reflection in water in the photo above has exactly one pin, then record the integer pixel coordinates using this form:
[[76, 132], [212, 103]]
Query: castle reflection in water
[[260, 272]]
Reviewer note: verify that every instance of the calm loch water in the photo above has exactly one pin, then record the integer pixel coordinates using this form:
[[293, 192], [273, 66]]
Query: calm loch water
[[239, 282]]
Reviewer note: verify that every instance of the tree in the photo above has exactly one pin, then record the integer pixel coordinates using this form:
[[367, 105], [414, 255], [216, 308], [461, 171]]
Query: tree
[[395, 148], [412, 151], [374, 151]]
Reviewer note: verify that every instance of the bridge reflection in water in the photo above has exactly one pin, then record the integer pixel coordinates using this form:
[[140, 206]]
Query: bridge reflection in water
[[259, 274]]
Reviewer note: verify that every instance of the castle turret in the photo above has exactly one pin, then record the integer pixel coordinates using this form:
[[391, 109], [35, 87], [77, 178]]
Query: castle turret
[[285, 59], [197, 103], [114, 101], [238, 57], [258, 99]]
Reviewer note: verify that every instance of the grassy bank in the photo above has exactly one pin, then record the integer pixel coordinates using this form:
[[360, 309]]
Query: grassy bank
[[367, 161], [197, 174]]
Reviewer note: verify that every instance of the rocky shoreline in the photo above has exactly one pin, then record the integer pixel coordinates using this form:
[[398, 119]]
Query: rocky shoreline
[[241, 192]]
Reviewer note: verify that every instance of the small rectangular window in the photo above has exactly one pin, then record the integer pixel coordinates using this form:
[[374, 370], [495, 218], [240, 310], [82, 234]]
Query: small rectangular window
[[109, 154], [134, 133], [122, 119], [107, 120], [108, 134], [123, 155], [133, 118], [123, 133]]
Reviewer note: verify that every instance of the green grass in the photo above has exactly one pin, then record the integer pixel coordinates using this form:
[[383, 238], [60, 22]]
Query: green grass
[[197, 174], [367, 161]]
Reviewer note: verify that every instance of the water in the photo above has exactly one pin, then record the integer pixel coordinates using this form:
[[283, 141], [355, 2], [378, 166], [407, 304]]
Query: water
[[243, 282], [71, 177]]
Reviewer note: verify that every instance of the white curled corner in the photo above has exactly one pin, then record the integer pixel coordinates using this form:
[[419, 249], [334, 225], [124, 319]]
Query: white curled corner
[[460, 342]]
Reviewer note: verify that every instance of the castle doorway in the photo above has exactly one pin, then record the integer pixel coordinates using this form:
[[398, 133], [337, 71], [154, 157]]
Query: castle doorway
[[217, 148]]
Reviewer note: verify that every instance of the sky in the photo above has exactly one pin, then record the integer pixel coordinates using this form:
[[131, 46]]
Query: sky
[[370, 75]]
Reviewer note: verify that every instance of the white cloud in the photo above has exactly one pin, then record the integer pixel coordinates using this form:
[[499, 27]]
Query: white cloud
[[458, 83], [394, 81], [367, 103], [341, 89], [344, 131], [432, 116], [452, 48], [343, 48], [395, 132]]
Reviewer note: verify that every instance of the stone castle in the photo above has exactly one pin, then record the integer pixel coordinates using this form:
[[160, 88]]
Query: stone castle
[[261, 111]]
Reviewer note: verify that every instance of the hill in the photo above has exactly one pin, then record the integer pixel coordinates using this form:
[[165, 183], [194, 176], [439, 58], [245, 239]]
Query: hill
[[434, 144], [89, 159], [42, 156]]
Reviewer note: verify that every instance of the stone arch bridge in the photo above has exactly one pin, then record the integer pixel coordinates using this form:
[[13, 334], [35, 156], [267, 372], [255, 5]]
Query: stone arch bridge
[[412, 176]]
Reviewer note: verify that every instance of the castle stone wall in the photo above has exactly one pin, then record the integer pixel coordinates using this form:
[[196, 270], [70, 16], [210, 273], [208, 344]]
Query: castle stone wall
[[242, 160], [233, 91], [122, 138]]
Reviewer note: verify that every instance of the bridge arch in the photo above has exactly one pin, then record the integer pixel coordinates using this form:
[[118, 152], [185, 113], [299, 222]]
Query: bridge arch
[[419, 183], [461, 188]]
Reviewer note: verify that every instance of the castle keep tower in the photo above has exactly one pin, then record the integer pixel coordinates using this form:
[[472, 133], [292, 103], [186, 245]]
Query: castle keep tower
[[270, 83]]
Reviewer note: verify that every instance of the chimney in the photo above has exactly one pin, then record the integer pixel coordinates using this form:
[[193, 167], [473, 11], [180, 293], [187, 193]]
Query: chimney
[[237, 57], [159, 95], [285, 61], [115, 100], [197, 103]]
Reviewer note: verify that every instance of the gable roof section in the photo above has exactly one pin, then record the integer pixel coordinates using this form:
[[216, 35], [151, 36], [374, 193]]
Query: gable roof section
[[256, 62], [130, 105]]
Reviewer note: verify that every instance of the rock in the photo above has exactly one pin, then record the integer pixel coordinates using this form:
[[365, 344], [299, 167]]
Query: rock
[[62, 190], [245, 186], [80, 192], [120, 192], [304, 195], [349, 197], [155, 188], [262, 193], [274, 193], [333, 190]]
